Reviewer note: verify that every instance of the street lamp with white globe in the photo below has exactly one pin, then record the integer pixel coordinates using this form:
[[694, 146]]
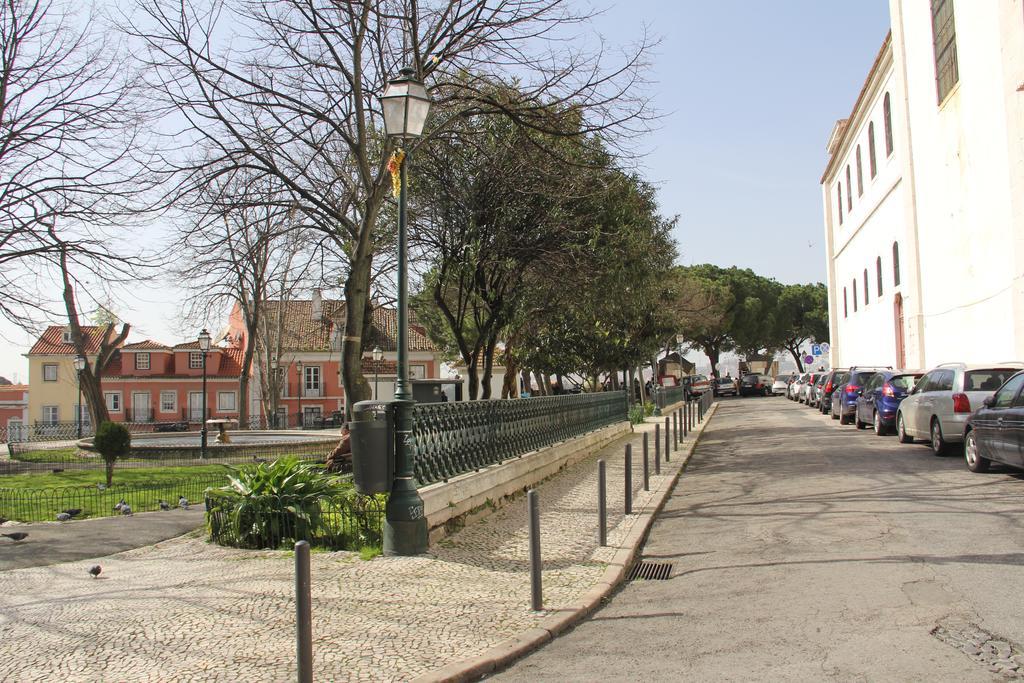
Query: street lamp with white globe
[[204, 347], [405, 104], [378, 356], [79, 364]]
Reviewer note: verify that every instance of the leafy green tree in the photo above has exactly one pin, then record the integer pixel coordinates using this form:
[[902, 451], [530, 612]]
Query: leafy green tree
[[113, 441], [802, 316]]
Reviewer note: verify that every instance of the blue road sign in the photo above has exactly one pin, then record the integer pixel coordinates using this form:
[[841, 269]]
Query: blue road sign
[[815, 350]]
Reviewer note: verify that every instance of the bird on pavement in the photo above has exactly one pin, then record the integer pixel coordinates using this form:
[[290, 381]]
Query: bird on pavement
[[72, 512], [120, 504], [183, 502], [63, 516], [16, 536], [164, 505], [95, 570], [126, 509]]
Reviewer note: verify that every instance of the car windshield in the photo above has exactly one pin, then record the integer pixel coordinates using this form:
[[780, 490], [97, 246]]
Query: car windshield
[[904, 382], [860, 377], [987, 380], [782, 378]]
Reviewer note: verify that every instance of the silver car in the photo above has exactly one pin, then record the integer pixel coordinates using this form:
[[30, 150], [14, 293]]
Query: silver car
[[940, 403], [796, 386]]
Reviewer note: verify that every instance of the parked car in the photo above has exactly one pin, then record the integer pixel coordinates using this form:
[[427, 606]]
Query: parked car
[[814, 393], [881, 397], [699, 384], [995, 431], [939, 405], [755, 384], [796, 385], [836, 402], [828, 387], [725, 386], [844, 398], [805, 390], [781, 384]]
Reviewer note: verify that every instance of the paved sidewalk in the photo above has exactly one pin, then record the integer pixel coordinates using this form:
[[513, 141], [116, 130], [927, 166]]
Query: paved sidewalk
[[184, 609]]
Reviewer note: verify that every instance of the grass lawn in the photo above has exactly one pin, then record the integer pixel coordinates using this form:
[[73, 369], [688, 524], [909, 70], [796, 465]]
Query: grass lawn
[[52, 455], [141, 476]]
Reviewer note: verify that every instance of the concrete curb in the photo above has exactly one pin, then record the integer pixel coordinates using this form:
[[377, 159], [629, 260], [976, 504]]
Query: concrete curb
[[506, 652]]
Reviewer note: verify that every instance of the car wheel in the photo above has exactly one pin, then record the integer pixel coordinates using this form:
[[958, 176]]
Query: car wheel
[[832, 414], [876, 421], [843, 420], [860, 425], [975, 462], [901, 430], [939, 445]]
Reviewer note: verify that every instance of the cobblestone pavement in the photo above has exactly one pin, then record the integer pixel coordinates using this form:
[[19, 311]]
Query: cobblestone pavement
[[187, 610]]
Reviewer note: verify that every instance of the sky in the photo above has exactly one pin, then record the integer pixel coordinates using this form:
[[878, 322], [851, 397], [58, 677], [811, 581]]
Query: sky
[[747, 91]]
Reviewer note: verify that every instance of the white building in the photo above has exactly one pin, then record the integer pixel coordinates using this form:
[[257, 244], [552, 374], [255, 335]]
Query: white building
[[924, 192]]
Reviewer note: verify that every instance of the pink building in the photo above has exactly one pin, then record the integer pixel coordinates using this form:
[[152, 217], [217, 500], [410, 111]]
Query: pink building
[[13, 406]]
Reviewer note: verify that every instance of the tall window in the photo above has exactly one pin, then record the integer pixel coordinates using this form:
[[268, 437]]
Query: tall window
[[142, 361], [49, 372], [849, 190], [887, 116], [947, 71], [854, 295], [878, 274], [846, 310], [168, 401], [872, 163], [865, 286], [860, 175], [839, 197], [312, 380], [895, 264], [113, 399], [51, 415], [226, 402]]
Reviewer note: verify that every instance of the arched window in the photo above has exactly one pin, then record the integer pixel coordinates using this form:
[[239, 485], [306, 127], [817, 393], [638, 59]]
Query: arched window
[[895, 264], [860, 175], [878, 274], [846, 310], [865, 286], [887, 113], [854, 295], [849, 190], [839, 198], [872, 163]]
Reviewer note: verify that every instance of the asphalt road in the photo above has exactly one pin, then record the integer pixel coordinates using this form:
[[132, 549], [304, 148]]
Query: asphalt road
[[53, 542], [803, 550]]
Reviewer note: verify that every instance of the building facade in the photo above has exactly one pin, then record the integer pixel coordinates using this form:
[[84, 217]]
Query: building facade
[[13, 407], [923, 192], [52, 378]]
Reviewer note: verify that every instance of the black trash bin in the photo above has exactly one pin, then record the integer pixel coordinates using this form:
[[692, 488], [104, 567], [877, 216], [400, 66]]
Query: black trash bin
[[373, 446]]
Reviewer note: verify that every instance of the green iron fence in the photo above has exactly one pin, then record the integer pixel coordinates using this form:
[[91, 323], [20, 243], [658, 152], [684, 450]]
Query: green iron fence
[[673, 395], [453, 438]]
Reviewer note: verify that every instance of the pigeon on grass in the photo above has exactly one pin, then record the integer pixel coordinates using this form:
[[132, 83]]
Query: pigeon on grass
[[95, 570], [17, 536], [72, 512]]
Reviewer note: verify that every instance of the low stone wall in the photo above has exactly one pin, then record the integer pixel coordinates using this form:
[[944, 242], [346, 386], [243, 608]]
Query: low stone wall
[[449, 505]]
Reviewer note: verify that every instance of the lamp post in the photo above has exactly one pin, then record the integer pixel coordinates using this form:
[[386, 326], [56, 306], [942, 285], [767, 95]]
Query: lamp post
[[302, 418], [79, 364], [204, 348], [405, 105], [378, 355], [274, 379]]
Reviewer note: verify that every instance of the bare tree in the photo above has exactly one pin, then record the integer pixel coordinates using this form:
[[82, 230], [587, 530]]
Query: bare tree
[[69, 154], [290, 89]]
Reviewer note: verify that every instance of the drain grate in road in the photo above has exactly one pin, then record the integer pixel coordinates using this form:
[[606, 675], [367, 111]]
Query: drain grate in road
[[650, 571]]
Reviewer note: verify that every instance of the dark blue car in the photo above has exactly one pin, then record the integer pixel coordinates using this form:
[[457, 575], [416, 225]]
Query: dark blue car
[[844, 398], [881, 395], [995, 432]]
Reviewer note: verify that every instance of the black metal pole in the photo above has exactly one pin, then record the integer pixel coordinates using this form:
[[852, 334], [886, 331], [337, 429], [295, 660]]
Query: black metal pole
[[629, 479], [202, 419], [602, 503], [647, 466], [667, 438], [303, 613], [682, 418], [536, 590], [675, 430], [657, 449], [79, 404]]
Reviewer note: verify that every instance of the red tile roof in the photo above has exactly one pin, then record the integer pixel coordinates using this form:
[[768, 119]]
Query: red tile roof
[[230, 366], [382, 367], [302, 333], [146, 345], [51, 341]]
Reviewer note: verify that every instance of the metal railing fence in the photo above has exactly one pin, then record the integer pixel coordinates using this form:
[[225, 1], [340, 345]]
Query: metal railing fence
[[453, 438], [343, 522], [673, 395], [43, 504]]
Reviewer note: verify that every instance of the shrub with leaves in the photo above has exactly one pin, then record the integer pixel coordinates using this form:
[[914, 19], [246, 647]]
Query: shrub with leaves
[[113, 441], [636, 414], [276, 504]]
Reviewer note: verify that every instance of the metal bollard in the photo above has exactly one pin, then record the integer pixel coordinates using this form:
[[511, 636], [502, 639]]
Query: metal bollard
[[657, 449], [536, 595], [667, 437], [675, 442], [629, 479], [686, 427], [602, 504], [675, 427], [303, 613], [647, 467]]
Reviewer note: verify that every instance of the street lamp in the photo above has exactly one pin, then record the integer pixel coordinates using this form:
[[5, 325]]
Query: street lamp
[[79, 364], [378, 355], [302, 418], [405, 104], [274, 379], [204, 347]]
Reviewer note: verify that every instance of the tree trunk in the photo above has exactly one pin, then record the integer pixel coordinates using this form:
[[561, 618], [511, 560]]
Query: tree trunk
[[508, 385], [795, 352], [714, 354], [357, 294], [525, 376], [542, 387], [615, 381], [108, 465]]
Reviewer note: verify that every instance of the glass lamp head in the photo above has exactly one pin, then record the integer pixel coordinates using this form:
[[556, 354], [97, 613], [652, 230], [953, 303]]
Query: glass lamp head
[[405, 103]]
